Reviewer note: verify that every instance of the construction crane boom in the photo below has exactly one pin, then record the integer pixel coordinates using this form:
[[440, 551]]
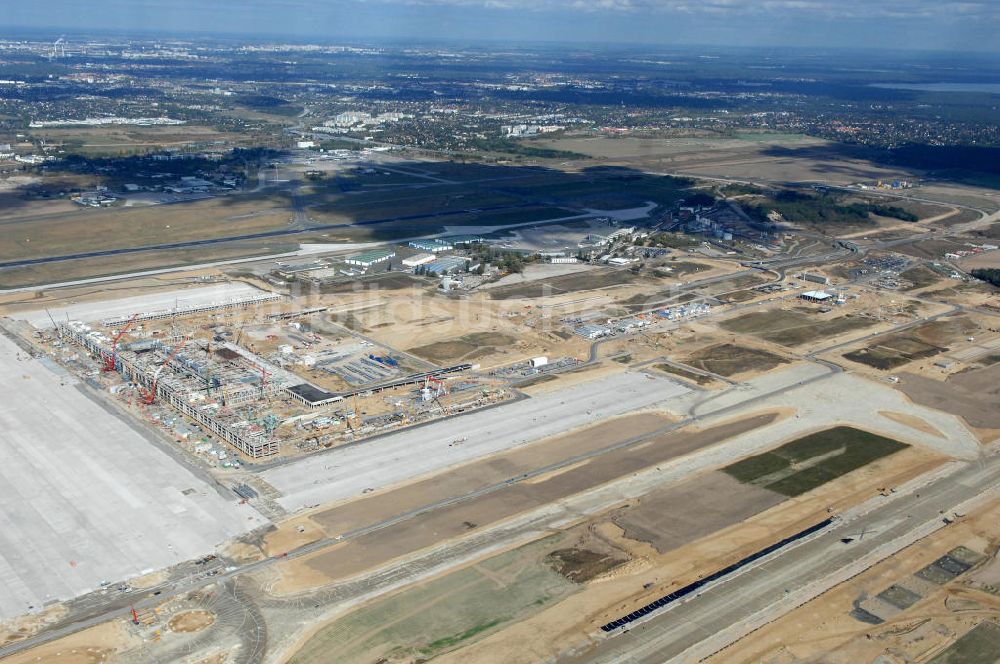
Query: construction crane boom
[[111, 360], [150, 394]]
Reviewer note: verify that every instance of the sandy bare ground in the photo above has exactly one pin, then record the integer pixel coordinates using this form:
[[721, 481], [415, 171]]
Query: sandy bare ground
[[674, 516], [91, 646], [986, 260], [973, 396], [911, 421], [569, 623], [355, 556], [379, 507]]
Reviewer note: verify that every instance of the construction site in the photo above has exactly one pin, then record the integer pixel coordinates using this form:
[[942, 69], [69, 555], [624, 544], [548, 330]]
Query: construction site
[[262, 380]]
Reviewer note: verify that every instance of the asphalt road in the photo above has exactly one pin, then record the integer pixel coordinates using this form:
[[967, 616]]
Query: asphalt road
[[670, 634]]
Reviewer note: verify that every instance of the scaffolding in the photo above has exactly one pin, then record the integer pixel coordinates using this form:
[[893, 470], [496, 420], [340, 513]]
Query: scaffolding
[[253, 442]]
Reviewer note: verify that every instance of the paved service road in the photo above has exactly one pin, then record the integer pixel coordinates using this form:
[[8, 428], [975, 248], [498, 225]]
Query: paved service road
[[671, 633]]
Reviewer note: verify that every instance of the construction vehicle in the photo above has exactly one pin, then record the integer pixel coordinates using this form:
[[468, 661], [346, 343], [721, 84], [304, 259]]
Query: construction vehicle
[[149, 395], [111, 360]]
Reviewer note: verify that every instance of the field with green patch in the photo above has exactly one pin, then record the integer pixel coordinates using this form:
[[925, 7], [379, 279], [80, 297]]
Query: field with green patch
[[980, 645], [928, 340], [730, 359], [701, 379], [809, 462], [452, 611], [468, 347], [791, 327], [569, 283]]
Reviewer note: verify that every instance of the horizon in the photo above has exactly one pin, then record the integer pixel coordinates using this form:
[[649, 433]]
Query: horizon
[[892, 26]]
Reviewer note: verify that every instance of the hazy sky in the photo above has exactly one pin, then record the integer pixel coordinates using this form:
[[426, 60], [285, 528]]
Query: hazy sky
[[935, 24]]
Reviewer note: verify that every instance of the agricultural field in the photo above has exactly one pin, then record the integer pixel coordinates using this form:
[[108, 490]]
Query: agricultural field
[[466, 348], [809, 462], [895, 350], [711, 502], [792, 327], [920, 277], [729, 359], [569, 283], [480, 599], [972, 395], [979, 645], [700, 379]]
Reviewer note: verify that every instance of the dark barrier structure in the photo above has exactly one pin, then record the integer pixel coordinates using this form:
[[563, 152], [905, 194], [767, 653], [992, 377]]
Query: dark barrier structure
[[715, 576]]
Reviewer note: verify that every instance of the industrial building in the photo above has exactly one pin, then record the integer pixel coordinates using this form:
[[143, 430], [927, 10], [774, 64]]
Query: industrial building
[[417, 259], [447, 265], [815, 278], [433, 246], [291, 269], [816, 296], [368, 258]]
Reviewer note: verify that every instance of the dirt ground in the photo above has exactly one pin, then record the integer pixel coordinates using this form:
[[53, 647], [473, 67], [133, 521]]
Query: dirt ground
[[446, 330], [367, 551], [622, 590], [897, 349], [824, 628], [730, 360], [974, 396], [792, 327], [442, 614], [674, 516], [90, 646], [191, 621], [467, 348], [986, 260]]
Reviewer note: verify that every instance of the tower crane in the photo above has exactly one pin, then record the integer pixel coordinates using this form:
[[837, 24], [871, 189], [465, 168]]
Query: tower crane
[[150, 395], [111, 360]]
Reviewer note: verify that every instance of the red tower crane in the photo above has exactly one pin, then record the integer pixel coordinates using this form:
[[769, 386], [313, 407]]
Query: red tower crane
[[111, 360], [150, 395]]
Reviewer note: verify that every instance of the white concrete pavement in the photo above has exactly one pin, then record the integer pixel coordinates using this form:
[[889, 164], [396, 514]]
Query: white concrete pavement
[[344, 474], [85, 498], [167, 300]]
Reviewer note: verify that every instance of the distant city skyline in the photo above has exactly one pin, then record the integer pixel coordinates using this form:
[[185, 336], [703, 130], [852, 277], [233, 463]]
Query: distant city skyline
[[913, 24]]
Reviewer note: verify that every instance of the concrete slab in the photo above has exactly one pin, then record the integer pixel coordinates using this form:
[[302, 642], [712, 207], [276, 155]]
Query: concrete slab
[[154, 301], [84, 498], [347, 473], [823, 400]]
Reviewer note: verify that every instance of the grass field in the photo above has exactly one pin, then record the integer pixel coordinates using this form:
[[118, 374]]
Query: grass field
[[809, 462], [791, 327], [468, 347], [895, 350], [568, 283], [729, 359], [103, 266], [433, 618], [683, 373], [920, 277], [980, 645]]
